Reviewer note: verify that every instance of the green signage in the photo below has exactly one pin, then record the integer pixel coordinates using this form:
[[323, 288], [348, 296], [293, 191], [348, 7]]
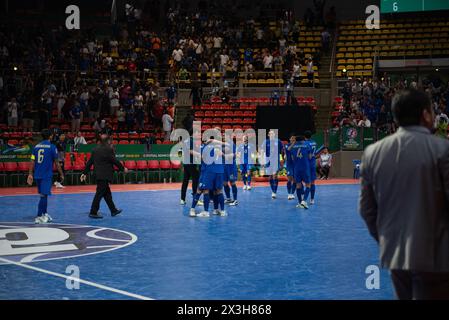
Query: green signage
[[398, 6], [351, 139]]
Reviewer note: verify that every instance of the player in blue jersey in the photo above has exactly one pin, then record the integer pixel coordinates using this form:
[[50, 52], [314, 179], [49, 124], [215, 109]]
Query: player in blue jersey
[[272, 167], [43, 157], [246, 152], [301, 154], [313, 148], [230, 176], [211, 180], [289, 165]]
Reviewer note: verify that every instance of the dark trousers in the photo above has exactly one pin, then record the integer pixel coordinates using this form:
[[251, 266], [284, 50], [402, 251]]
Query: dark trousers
[[103, 191], [324, 171], [190, 172], [420, 285]]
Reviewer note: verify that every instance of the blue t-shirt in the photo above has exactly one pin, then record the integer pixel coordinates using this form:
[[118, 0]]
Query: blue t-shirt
[[76, 112], [246, 151], [44, 154], [278, 147], [301, 154], [313, 148], [215, 163], [289, 157]]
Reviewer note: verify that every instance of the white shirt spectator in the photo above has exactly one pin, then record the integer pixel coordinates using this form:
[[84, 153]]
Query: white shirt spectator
[[441, 116], [268, 61], [167, 121], [217, 42], [325, 159], [177, 55], [79, 140], [365, 123], [224, 59], [138, 100]]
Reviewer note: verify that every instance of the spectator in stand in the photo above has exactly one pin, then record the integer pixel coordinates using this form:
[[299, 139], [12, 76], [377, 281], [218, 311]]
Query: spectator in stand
[[167, 123], [140, 118], [78, 140], [130, 118], [114, 101], [121, 119], [324, 164], [76, 114], [99, 125], [28, 118], [171, 93], [325, 40], [84, 103], [365, 122], [60, 104], [13, 113], [94, 105], [310, 71]]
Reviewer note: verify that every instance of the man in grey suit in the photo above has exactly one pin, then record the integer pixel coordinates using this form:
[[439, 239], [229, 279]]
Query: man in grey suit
[[404, 200]]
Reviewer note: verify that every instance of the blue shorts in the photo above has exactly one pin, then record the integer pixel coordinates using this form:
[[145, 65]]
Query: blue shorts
[[246, 168], [230, 173], [302, 176], [211, 181], [44, 186]]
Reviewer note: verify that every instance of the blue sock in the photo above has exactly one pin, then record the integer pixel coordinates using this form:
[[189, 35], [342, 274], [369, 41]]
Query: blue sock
[[234, 191], [215, 199], [42, 207], [289, 187], [206, 199], [196, 197], [306, 193], [244, 178], [293, 187], [301, 192], [276, 182], [312, 191], [227, 191], [221, 200], [272, 184], [249, 179]]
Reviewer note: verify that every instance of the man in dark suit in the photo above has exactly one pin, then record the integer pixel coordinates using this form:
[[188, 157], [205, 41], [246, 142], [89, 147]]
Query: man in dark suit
[[405, 200], [103, 159]]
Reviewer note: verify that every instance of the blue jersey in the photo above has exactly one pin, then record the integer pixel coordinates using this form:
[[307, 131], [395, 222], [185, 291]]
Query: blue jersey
[[288, 156], [278, 147], [247, 152], [313, 148], [214, 163], [301, 154], [44, 154]]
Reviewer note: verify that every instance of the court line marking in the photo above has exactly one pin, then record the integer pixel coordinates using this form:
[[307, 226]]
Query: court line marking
[[86, 282], [85, 191]]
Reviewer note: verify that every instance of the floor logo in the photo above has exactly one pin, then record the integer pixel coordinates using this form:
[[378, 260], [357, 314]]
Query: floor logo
[[23, 242]]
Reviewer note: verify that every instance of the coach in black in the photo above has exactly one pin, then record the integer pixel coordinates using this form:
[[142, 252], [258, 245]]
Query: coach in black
[[103, 159]]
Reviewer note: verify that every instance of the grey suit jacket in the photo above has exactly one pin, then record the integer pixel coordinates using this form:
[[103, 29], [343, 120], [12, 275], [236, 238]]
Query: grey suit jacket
[[404, 199]]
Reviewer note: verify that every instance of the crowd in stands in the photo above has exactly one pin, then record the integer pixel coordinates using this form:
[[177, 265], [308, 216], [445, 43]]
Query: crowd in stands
[[367, 103]]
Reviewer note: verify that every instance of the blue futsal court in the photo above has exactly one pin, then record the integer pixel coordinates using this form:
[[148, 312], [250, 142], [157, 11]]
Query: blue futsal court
[[264, 249]]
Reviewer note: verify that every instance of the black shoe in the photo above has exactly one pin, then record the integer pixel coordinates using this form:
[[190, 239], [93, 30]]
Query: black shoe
[[118, 211], [95, 216]]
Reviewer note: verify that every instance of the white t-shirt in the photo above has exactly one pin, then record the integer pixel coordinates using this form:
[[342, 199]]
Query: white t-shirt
[[224, 59], [268, 62], [12, 109], [365, 123], [139, 100], [217, 42], [166, 122], [177, 55]]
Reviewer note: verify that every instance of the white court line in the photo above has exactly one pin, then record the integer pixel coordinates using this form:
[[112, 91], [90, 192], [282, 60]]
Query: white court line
[[86, 282]]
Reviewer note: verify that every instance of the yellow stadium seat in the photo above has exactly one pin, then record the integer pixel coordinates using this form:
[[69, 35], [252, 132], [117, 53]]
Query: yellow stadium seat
[[367, 67], [368, 61]]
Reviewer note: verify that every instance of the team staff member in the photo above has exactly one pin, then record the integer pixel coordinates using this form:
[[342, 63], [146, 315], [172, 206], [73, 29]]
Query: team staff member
[[103, 159], [191, 171], [404, 200]]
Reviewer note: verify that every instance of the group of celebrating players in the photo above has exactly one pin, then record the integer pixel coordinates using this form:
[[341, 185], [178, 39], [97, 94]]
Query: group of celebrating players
[[220, 160]]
